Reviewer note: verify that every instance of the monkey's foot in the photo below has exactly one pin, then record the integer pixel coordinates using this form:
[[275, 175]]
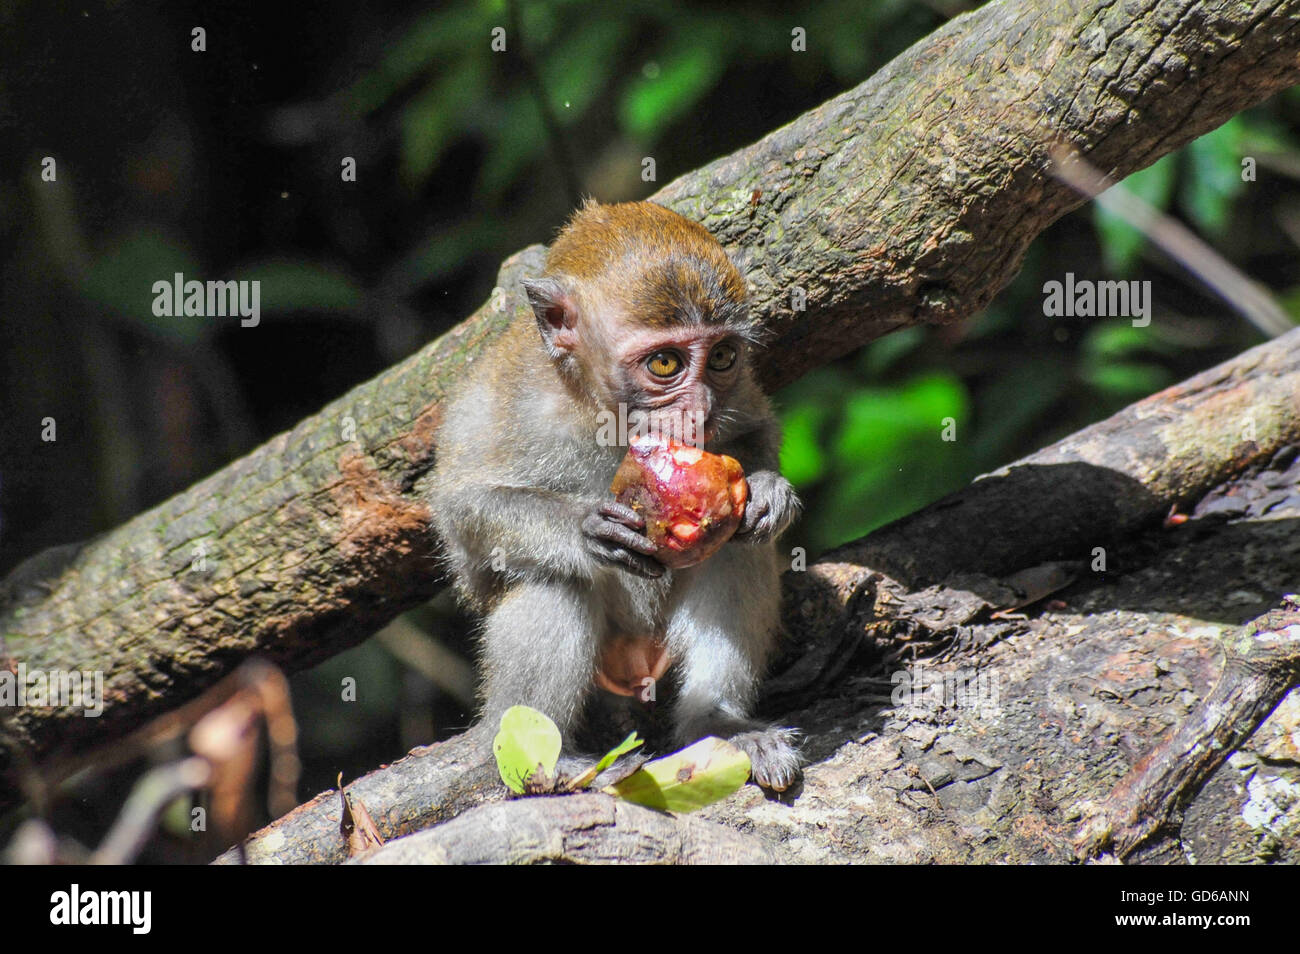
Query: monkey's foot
[[774, 759]]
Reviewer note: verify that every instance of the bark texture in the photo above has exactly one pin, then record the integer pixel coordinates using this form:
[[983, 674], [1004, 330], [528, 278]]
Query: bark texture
[[909, 199], [1120, 639], [577, 829], [1261, 667]]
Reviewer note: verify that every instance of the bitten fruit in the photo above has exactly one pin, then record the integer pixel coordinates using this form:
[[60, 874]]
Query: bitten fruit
[[692, 501]]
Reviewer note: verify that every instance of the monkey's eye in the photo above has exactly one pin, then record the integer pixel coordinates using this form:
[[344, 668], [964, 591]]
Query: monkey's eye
[[664, 364], [722, 357]]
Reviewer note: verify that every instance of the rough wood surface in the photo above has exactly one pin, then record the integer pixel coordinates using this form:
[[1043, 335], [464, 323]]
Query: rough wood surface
[[575, 829], [1083, 688], [1261, 667], [909, 199]]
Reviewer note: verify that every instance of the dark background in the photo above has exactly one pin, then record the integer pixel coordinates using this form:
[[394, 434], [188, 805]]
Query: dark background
[[226, 164]]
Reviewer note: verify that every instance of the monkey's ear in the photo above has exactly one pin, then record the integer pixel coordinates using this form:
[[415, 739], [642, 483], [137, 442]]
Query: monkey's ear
[[557, 316]]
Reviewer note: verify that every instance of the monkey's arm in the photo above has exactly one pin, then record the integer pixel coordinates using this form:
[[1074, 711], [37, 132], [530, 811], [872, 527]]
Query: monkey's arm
[[535, 533]]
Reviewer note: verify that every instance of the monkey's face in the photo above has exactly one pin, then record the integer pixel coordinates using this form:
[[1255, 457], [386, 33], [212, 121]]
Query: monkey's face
[[676, 382], [655, 333]]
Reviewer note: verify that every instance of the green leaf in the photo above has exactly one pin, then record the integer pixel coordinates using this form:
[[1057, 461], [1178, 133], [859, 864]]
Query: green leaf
[[916, 472], [877, 419], [1290, 301], [434, 118], [1213, 181], [121, 279], [527, 743], [1262, 133], [809, 406], [697, 776], [300, 285], [1120, 242], [627, 745], [1128, 381], [1111, 360], [802, 459], [1114, 341], [888, 457], [687, 71], [585, 779]]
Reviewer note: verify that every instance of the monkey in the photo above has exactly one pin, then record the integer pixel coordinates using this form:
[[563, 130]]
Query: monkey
[[640, 307]]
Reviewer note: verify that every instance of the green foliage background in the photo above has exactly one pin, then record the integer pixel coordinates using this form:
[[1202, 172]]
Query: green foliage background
[[226, 164]]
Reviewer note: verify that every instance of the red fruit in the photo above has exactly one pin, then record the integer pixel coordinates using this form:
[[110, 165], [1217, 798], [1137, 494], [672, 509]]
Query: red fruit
[[692, 500]]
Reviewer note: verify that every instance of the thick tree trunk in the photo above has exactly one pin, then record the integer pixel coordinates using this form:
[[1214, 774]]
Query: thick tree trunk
[[909, 199]]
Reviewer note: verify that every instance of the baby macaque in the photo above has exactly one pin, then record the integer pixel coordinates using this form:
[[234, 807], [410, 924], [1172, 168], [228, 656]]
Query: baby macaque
[[641, 319]]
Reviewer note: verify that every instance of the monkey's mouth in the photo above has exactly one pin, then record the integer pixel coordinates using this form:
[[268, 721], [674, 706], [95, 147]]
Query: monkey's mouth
[[684, 429]]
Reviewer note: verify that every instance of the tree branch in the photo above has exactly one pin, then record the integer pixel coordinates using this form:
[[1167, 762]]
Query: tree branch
[[928, 578], [1261, 665], [910, 199], [574, 829]]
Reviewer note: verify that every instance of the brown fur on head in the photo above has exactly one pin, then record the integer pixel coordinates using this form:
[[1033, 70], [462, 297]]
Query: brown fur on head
[[626, 282], [641, 263], [660, 266]]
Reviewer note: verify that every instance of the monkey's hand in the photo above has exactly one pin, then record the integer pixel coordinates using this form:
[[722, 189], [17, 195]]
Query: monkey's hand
[[613, 534], [772, 505]]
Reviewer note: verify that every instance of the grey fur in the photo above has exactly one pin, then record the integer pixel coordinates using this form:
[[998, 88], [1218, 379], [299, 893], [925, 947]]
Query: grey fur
[[534, 541]]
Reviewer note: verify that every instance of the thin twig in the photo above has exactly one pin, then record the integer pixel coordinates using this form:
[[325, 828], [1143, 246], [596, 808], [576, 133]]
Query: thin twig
[[154, 792], [1248, 297], [554, 134]]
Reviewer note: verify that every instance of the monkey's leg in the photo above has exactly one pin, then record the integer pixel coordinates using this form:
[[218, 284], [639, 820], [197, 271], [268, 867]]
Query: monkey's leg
[[539, 650], [722, 624]]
